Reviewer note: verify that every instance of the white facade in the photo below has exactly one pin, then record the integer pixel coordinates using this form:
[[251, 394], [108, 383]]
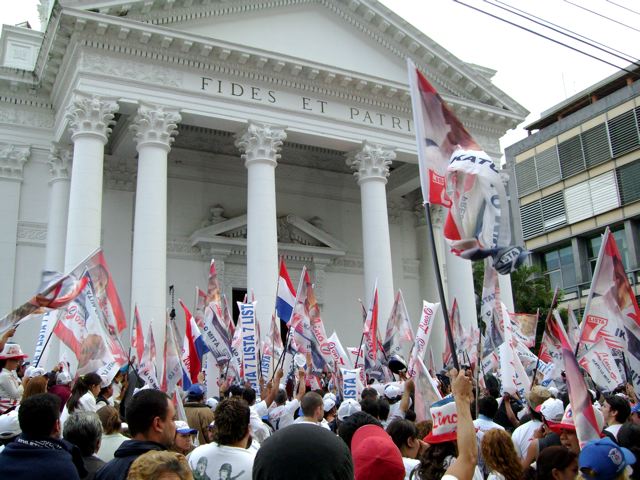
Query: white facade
[[173, 132]]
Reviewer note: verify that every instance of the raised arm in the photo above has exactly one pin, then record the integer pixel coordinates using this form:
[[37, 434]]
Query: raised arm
[[272, 388], [302, 386], [463, 468]]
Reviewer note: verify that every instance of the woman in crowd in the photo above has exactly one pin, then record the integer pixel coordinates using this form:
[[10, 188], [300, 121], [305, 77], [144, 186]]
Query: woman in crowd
[[35, 386], [557, 463], [500, 456], [112, 438], [10, 385], [83, 395], [160, 465]]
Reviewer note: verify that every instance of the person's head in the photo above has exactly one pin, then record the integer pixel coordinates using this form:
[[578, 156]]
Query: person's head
[[149, 416], [195, 393], [281, 397], [160, 465], [236, 391], [488, 406], [557, 463], [84, 430], [348, 407], [36, 386], [492, 384], [369, 392], [11, 356], [629, 437], [567, 429], [110, 420], [375, 456], [39, 416], [383, 409], [616, 409], [392, 393], [232, 422], [424, 428], [603, 459], [312, 406], [249, 396], [433, 459], [106, 391], [353, 422], [536, 396], [9, 427], [405, 435], [635, 414], [89, 382], [370, 405], [303, 451], [183, 442], [500, 455]]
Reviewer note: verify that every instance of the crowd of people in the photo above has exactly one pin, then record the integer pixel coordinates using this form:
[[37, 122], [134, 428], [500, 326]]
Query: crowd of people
[[91, 427]]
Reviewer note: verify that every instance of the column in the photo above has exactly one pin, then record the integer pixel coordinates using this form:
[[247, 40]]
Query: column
[[90, 118], [59, 171], [153, 127], [371, 167], [12, 160], [260, 145]]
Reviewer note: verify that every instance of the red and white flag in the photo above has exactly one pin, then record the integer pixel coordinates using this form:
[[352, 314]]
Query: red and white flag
[[426, 393], [340, 357], [423, 333], [147, 369], [524, 327], [171, 364], [602, 367], [137, 335], [300, 336]]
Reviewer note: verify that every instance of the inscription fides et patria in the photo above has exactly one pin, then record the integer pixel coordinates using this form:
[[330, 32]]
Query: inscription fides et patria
[[355, 114]]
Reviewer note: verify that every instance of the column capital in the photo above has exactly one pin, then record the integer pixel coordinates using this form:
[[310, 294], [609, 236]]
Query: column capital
[[155, 125], [371, 162], [91, 115], [260, 142], [12, 160], [59, 162]]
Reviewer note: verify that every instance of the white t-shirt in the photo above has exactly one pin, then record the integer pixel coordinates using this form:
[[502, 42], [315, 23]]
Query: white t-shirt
[[282, 415], [614, 429], [213, 461], [109, 445], [409, 465], [523, 435], [86, 403], [258, 428]]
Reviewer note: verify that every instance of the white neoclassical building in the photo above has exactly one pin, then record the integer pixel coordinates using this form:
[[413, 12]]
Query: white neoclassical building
[[169, 132]]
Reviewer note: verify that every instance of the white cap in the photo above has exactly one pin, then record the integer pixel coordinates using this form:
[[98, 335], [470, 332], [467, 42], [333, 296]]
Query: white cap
[[392, 391], [212, 403], [552, 409], [554, 391], [347, 408], [328, 403], [63, 378], [31, 372], [105, 381], [9, 425], [330, 395]]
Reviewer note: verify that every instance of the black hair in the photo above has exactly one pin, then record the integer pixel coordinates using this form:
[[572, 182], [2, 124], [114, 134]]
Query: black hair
[[621, 407], [281, 397], [353, 422], [144, 407], [369, 392], [488, 406], [629, 437], [235, 390], [410, 415], [493, 385], [249, 395], [383, 409], [370, 405], [83, 385], [401, 430], [38, 414], [557, 457], [432, 460]]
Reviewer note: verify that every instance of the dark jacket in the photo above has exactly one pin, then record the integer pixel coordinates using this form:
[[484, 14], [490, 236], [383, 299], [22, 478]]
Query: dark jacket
[[124, 456], [42, 459]]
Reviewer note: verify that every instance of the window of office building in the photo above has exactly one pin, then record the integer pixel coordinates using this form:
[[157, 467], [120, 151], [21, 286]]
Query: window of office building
[[594, 243], [559, 266]]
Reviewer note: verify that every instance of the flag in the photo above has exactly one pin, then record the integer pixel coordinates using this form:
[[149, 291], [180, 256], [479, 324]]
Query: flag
[[320, 350], [372, 349], [227, 317], [601, 365], [214, 292], [584, 417], [524, 327], [450, 160], [201, 304], [194, 346], [340, 357], [137, 335], [300, 337], [214, 335], [171, 364], [423, 333], [551, 347], [286, 295], [272, 346], [399, 332], [426, 391], [512, 374], [460, 337], [147, 369], [573, 330], [351, 383], [490, 298], [52, 296], [612, 311]]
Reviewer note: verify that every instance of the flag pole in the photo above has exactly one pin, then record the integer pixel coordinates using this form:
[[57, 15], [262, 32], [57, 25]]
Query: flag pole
[[364, 319], [554, 301], [443, 302]]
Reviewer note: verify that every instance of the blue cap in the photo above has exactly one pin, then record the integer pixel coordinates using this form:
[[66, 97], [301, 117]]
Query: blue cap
[[604, 460], [195, 390], [635, 408]]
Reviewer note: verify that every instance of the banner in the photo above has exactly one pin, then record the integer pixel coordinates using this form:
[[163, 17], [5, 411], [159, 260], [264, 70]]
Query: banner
[[524, 328], [490, 298], [351, 383], [429, 311], [340, 357], [300, 335], [285, 295], [601, 365], [426, 392], [399, 332], [171, 364], [551, 347], [194, 346], [137, 336], [47, 325], [513, 377], [320, 351], [214, 334], [250, 361], [147, 369]]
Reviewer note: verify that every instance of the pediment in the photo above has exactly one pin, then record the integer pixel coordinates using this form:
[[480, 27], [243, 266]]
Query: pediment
[[294, 234], [359, 36]]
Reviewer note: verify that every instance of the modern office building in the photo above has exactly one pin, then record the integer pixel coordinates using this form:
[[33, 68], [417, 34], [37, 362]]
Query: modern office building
[[577, 173]]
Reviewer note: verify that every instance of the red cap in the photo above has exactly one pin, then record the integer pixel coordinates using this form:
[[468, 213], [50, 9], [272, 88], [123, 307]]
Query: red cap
[[375, 456]]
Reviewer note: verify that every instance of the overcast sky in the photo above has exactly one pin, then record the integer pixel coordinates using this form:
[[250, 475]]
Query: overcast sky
[[535, 72]]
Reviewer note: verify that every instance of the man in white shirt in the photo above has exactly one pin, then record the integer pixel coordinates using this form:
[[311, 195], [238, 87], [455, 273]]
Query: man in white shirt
[[282, 414], [312, 409], [487, 408], [616, 410], [228, 456], [523, 434], [261, 409]]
